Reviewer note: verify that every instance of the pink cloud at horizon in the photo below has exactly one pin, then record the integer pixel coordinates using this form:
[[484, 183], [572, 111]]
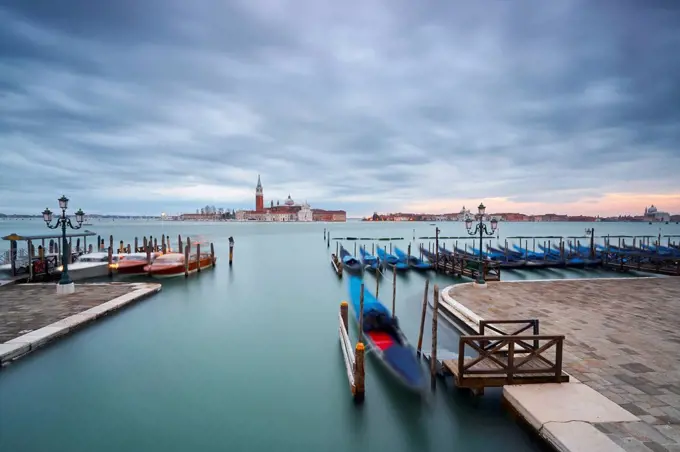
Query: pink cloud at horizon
[[611, 204]]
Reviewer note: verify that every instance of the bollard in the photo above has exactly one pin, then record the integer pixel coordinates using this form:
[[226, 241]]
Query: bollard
[[359, 375], [419, 349], [343, 314]]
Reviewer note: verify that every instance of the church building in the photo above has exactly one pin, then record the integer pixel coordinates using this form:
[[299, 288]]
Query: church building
[[289, 211]]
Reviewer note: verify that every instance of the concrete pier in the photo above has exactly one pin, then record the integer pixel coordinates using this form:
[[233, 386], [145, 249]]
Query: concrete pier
[[32, 315], [622, 350]]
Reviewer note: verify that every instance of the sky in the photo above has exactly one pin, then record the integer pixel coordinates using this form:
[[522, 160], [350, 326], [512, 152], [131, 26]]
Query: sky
[[142, 107]]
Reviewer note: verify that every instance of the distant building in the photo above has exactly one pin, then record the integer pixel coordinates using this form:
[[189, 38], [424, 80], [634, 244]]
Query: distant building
[[652, 214], [289, 211]]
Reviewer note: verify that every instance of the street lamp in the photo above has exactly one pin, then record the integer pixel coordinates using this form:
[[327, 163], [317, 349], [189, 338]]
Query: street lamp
[[63, 221], [482, 230]]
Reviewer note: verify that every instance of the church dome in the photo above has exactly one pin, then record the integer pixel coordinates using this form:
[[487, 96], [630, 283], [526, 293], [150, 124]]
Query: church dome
[[652, 209], [289, 201]]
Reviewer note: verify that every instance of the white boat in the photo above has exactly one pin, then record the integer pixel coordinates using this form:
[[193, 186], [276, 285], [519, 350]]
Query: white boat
[[91, 265]]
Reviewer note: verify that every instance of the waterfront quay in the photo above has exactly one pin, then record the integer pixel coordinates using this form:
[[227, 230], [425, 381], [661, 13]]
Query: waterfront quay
[[32, 315], [621, 350]]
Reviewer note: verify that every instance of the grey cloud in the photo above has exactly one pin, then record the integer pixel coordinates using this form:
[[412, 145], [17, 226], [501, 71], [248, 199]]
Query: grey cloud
[[395, 100]]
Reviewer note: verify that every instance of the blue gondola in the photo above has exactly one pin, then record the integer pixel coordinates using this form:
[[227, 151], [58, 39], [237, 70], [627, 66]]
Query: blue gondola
[[412, 261], [349, 262], [385, 339], [369, 261], [391, 260]]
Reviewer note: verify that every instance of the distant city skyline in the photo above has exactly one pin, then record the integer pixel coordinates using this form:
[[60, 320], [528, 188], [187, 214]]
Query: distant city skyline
[[387, 105]]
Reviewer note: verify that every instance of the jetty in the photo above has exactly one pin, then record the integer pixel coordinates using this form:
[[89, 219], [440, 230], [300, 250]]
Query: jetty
[[31, 315], [622, 391]]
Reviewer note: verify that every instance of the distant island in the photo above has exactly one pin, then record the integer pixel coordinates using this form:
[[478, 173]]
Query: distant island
[[651, 214]]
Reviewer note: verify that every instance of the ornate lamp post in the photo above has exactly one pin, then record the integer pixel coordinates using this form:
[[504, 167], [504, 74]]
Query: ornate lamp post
[[482, 230], [63, 221]]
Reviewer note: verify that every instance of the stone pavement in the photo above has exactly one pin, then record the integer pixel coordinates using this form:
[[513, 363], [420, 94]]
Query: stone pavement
[[622, 339], [28, 307]]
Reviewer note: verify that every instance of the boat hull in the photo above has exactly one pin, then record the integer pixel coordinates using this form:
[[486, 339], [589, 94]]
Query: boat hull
[[174, 270]]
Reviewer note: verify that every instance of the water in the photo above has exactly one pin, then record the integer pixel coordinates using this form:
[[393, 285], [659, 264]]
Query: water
[[248, 358]]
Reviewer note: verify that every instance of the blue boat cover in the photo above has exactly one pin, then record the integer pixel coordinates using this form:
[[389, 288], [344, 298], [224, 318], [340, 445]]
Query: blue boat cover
[[370, 302], [401, 359]]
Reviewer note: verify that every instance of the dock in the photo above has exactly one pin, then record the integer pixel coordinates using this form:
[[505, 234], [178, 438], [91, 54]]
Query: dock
[[31, 315], [455, 264], [621, 344]]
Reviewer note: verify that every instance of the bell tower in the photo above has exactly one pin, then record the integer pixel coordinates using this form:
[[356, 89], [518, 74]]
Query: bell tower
[[259, 196]]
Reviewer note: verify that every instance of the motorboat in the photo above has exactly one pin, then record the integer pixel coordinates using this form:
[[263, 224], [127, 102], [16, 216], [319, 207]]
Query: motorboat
[[173, 264]]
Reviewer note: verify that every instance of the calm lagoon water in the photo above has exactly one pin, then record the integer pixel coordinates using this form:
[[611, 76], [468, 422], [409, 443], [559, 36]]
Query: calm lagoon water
[[247, 358]]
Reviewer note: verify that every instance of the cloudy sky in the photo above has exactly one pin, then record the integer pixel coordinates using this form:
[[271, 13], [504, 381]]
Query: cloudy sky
[[167, 105]]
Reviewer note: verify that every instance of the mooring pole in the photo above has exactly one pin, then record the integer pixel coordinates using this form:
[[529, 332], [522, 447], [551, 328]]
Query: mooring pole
[[394, 291], [231, 250], [433, 356], [422, 319], [436, 244], [361, 314]]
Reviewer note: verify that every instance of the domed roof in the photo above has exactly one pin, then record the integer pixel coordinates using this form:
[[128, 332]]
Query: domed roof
[[289, 201], [652, 209]]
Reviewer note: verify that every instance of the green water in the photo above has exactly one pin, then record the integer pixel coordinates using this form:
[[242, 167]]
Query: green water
[[245, 358]]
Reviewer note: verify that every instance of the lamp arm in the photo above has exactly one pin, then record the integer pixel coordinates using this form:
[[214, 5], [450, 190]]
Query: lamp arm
[[56, 225]]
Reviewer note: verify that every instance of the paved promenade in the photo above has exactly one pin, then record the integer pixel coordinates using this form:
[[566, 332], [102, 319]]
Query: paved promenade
[[32, 315], [622, 340]]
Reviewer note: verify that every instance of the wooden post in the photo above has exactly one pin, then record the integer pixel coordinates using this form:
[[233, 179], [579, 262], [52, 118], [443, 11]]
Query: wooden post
[[378, 275], [328, 243], [337, 249], [99, 243], [121, 247], [372, 249], [436, 245], [163, 248], [110, 261], [324, 234], [394, 291], [231, 250], [361, 314], [198, 257], [408, 253], [147, 249], [422, 319], [136, 245], [155, 245], [343, 313], [390, 247], [110, 242], [359, 372], [433, 356], [355, 249], [78, 244], [186, 257], [180, 249]]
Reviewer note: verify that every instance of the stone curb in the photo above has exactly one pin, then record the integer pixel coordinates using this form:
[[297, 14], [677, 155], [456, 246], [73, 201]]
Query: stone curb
[[22, 345]]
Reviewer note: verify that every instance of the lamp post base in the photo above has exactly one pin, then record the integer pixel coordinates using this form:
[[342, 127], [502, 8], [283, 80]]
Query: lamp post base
[[66, 289], [479, 285]]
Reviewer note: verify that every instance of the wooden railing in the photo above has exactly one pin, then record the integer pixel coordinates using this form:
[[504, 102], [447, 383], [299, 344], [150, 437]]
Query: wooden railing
[[520, 358], [523, 325]]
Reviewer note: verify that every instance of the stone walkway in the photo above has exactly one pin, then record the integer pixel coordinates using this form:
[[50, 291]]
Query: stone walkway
[[622, 339], [28, 307]]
